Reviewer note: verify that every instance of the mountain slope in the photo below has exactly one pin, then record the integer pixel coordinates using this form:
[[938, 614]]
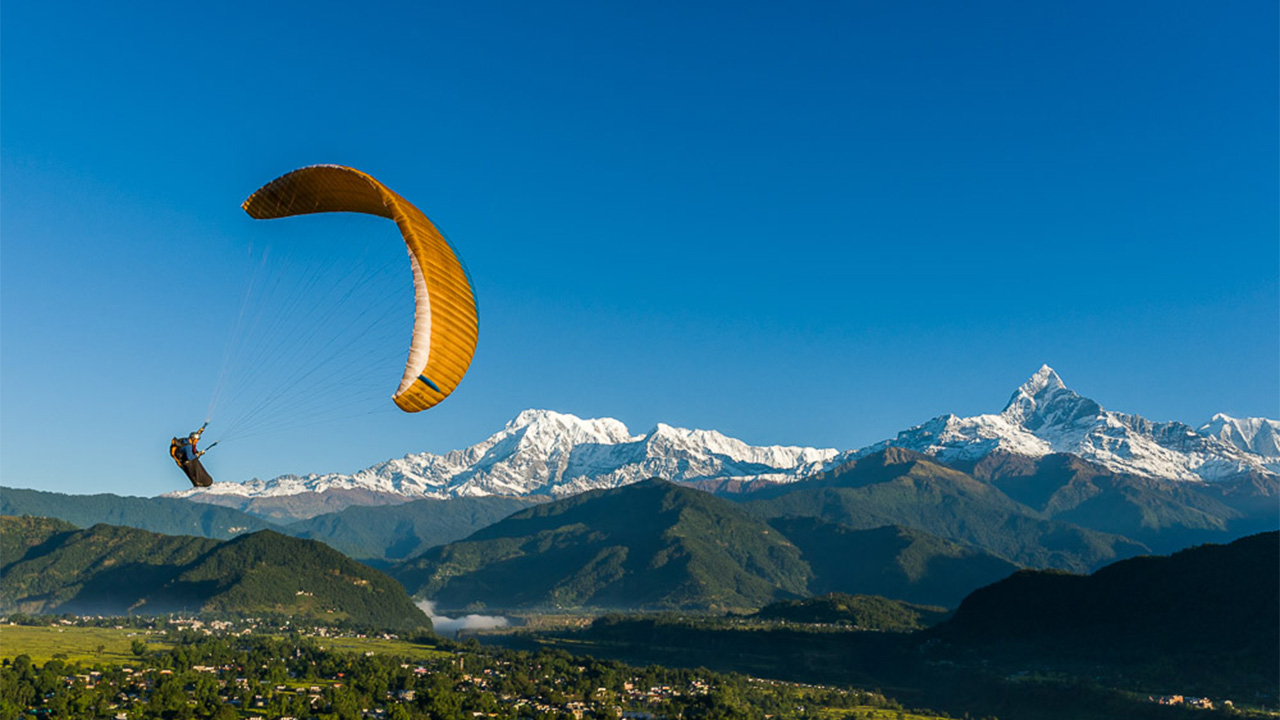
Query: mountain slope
[[1165, 515], [118, 570], [28, 532], [396, 532], [104, 569], [162, 515], [651, 544], [908, 489], [891, 562]]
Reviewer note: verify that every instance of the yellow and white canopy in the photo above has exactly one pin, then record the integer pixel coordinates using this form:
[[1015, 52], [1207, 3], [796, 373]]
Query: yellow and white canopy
[[446, 322]]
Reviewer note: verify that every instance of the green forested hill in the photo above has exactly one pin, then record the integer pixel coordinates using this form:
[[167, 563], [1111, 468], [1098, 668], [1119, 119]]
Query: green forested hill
[[891, 561], [107, 569], [658, 545], [866, 612], [648, 545], [396, 532], [170, 516], [25, 533]]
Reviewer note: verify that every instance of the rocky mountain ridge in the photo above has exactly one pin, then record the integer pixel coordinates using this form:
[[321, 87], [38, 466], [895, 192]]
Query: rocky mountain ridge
[[1044, 416]]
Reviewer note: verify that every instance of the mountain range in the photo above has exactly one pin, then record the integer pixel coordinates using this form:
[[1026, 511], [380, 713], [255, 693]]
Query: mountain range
[[539, 453], [659, 545], [896, 523], [369, 533], [1044, 416], [547, 454]]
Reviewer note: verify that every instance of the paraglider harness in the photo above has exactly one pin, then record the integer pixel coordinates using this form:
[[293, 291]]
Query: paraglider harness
[[184, 452]]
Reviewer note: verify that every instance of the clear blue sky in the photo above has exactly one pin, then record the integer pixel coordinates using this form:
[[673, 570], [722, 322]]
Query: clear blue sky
[[796, 223]]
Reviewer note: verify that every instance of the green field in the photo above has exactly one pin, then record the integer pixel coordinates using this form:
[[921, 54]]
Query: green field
[[402, 648], [870, 714], [81, 644]]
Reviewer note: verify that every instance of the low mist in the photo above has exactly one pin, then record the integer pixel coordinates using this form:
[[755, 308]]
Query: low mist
[[444, 624]]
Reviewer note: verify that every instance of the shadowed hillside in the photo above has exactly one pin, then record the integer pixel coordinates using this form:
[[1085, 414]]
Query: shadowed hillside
[[1215, 608], [891, 561], [116, 570]]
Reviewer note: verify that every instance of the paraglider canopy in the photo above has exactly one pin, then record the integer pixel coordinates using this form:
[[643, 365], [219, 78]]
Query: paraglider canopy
[[446, 319]]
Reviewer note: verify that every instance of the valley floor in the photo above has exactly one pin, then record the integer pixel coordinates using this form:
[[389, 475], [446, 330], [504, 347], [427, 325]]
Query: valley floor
[[892, 662], [189, 669]]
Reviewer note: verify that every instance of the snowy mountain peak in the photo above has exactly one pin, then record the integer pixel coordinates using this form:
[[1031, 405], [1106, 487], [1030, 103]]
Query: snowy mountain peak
[[547, 427], [1256, 435], [542, 452], [1045, 399], [1044, 380], [1044, 416]]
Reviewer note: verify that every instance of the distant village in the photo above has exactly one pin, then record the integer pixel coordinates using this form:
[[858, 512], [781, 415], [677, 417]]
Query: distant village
[[232, 669]]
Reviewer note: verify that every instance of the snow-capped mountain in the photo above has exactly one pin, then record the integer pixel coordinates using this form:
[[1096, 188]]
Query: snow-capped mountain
[[542, 452], [1044, 416], [1256, 435], [545, 453]]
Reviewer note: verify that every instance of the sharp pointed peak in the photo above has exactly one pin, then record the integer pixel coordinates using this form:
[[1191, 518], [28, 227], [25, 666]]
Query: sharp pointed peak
[[1046, 378], [1043, 384]]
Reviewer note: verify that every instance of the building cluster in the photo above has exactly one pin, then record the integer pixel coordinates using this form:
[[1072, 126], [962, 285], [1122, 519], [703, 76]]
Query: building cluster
[[1199, 703], [131, 688]]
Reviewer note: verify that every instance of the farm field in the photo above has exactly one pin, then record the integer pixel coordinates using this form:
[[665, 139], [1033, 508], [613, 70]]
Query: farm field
[[379, 646], [79, 644]]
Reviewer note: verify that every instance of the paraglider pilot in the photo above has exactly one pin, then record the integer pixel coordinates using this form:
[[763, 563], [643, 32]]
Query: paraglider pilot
[[185, 453]]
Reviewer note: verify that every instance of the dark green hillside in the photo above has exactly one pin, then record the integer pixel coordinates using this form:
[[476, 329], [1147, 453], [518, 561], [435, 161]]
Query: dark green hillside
[[118, 570], [865, 612], [171, 516], [904, 488], [104, 569], [396, 532], [1213, 607], [19, 534], [891, 561], [652, 544]]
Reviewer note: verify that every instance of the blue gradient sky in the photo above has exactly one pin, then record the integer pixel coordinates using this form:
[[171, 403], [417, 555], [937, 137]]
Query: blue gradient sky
[[809, 225]]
